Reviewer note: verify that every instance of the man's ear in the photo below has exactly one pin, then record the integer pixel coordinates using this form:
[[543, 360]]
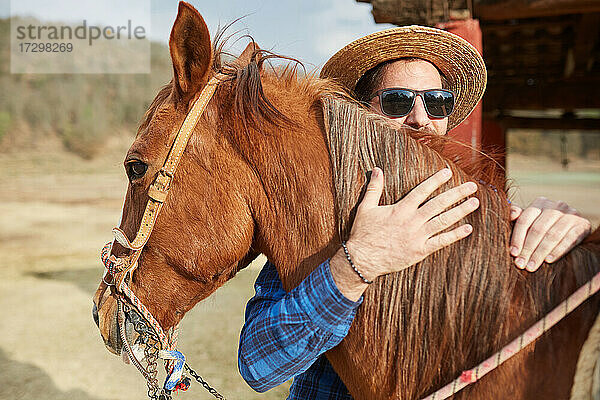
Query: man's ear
[[191, 51], [246, 57]]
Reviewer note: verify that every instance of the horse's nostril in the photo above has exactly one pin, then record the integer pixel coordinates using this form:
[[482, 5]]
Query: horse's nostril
[[95, 315]]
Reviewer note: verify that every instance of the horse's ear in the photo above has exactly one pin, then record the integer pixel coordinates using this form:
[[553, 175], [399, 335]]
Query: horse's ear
[[246, 57], [191, 51]]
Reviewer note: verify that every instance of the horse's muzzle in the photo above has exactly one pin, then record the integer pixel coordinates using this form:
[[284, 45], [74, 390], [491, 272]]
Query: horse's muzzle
[[95, 315], [104, 312]]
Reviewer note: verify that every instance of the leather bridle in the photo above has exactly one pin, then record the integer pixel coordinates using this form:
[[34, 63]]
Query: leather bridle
[[121, 269]]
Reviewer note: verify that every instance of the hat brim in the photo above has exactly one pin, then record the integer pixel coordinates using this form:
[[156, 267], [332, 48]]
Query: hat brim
[[457, 59]]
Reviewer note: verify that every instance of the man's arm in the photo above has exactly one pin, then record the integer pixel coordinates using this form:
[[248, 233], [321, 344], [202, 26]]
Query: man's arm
[[284, 333], [545, 231], [391, 238]]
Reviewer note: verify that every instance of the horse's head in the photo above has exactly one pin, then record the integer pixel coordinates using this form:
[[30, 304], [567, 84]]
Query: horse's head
[[204, 232]]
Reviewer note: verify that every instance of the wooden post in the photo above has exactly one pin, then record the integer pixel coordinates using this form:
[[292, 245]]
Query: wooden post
[[469, 131], [494, 140]]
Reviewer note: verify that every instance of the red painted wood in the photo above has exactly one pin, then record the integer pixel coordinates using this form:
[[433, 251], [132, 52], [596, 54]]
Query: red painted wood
[[469, 132], [494, 140]]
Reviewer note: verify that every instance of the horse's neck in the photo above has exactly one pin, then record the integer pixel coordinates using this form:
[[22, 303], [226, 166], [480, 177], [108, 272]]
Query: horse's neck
[[294, 213]]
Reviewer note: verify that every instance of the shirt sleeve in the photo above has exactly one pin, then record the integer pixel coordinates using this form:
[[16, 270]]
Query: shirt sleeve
[[285, 332]]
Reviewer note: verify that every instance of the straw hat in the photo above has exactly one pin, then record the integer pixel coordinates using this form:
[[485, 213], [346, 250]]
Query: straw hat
[[456, 58]]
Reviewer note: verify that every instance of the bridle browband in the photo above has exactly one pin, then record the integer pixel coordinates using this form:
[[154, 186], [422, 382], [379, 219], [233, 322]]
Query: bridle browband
[[121, 269]]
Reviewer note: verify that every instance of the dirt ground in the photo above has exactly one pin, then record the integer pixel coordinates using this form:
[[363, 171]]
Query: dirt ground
[[579, 185], [57, 212]]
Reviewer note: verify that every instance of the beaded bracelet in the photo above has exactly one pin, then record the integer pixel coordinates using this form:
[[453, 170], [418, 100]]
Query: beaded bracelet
[[365, 280]]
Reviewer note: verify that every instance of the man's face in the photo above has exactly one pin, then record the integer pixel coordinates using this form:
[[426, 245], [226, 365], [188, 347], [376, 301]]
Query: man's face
[[416, 75]]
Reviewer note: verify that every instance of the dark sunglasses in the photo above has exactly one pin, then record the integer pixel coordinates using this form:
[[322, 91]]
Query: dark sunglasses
[[398, 102]]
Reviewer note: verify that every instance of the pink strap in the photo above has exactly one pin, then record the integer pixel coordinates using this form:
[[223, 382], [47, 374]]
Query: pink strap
[[562, 310]]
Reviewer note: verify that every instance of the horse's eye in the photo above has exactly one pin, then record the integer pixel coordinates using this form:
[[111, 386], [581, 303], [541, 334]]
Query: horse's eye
[[136, 169]]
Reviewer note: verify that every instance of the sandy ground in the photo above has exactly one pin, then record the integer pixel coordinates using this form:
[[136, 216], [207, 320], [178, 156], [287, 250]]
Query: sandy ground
[[579, 185], [57, 212]]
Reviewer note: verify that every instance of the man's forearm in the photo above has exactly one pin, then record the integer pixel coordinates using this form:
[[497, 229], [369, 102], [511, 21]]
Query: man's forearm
[[346, 279], [284, 333]]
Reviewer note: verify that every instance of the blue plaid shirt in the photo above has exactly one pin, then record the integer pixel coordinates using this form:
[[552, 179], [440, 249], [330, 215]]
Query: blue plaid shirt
[[286, 334]]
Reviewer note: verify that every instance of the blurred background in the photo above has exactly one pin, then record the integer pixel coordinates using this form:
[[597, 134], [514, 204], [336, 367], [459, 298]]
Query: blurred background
[[63, 138]]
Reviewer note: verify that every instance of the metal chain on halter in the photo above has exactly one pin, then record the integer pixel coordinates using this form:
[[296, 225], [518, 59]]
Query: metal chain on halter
[[201, 381], [151, 354], [127, 346], [150, 350]]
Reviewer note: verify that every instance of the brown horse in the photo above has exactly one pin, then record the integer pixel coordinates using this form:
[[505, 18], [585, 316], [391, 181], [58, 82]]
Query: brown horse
[[276, 165]]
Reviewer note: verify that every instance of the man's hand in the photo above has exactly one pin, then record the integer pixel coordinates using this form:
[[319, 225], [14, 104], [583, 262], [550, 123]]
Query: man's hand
[[545, 231], [391, 238]]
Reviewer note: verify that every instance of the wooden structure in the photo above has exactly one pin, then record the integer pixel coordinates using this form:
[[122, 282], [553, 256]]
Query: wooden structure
[[543, 57]]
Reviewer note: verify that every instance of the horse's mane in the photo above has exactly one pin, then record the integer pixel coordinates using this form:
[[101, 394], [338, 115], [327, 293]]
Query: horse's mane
[[457, 306], [251, 104], [458, 292]]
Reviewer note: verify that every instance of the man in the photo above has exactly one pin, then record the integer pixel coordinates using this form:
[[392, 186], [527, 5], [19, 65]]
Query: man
[[430, 80]]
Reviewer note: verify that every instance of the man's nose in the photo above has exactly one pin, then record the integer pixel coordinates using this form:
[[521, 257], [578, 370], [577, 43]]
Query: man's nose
[[418, 117]]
